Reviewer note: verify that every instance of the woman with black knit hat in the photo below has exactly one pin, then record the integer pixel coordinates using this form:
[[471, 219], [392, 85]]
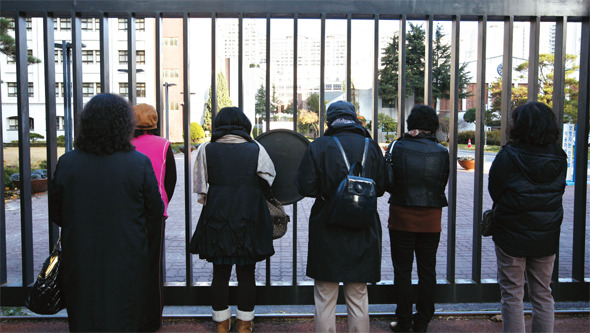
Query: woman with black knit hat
[[234, 227], [339, 254]]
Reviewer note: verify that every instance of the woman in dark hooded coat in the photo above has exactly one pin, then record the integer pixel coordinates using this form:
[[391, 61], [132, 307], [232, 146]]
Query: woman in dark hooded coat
[[337, 254], [104, 194]]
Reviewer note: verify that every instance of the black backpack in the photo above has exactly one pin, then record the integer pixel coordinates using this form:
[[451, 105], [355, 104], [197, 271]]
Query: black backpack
[[355, 202]]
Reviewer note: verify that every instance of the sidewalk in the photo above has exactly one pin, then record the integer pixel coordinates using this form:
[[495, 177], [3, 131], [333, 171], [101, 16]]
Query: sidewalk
[[448, 318]]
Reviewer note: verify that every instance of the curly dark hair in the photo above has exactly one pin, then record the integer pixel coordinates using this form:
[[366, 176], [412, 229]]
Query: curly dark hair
[[423, 117], [534, 123], [105, 125]]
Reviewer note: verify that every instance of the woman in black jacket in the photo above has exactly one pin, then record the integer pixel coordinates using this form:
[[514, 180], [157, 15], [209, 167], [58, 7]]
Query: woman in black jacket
[[104, 196], [420, 167], [338, 254], [234, 227], [526, 183]]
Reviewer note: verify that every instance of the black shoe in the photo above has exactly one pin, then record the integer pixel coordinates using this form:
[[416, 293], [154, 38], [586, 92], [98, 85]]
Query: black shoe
[[400, 326], [420, 327]]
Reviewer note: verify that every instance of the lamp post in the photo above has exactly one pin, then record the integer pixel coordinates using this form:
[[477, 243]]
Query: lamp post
[[166, 85]]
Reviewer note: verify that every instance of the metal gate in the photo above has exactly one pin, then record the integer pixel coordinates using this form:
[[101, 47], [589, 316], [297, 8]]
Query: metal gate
[[505, 12]]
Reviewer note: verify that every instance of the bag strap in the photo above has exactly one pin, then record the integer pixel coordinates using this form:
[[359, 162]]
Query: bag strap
[[343, 153], [364, 156]]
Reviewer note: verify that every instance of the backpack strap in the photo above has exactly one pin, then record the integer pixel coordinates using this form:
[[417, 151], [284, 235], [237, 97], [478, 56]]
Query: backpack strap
[[343, 153], [364, 156]]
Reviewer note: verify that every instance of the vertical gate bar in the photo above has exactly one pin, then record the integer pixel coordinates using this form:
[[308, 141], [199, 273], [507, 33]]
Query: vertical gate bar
[[159, 85], [559, 73], [322, 106], [580, 203], [3, 276], [559, 95], [50, 115], [105, 72], [131, 60], [376, 78], [454, 108], [295, 63], [213, 68], [24, 151], [268, 91], [401, 81], [186, 120], [268, 97], [481, 95], [76, 67], [349, 57], [240, 61], [506, 106], [160, 107], [533, 87], [428, 58], [295, 113]]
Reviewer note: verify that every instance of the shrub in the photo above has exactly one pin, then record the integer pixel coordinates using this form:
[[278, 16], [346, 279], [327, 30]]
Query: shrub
[[256, 132], [493, 138], [197, 132], [35, 136], [463, 137], [8, 172]]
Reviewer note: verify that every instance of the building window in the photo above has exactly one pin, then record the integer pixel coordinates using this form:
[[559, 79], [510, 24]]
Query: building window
[[139, 24], [10, 24], [13, 123], [86, 24], [171, 41], [122, 57], [60, 123], [87, 89], [65, 24], [57, 56], [31, 90], [56, 89], [97, 56], [98, 87], [88, 56], [97, 24], [140, 89], [174, 106], [29, 24], [12, 89], [123, 89], [55, 23], [11, 60], [171, 73], [140, 57]]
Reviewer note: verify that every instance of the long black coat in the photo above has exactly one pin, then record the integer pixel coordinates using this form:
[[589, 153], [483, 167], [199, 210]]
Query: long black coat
[[104, 204], [527, 183], [334, 253]]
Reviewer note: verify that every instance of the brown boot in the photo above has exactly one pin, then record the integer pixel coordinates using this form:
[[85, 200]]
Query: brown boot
[[244, 321], [222, 320], [244, 326]]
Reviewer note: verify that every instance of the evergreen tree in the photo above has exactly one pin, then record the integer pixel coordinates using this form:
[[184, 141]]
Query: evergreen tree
[[415, 60], [260, 102], [223, 100], [8, 44], [313, 103]]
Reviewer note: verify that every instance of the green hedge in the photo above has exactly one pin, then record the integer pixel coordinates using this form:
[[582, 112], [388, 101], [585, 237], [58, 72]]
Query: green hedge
[[493, 137]]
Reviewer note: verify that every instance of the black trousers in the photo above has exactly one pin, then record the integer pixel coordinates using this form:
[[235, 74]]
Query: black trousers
[[246, 287], [403, 247], [152, 311]]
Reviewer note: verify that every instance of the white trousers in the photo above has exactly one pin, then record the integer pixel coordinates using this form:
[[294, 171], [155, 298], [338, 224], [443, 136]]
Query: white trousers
[[325, 295]]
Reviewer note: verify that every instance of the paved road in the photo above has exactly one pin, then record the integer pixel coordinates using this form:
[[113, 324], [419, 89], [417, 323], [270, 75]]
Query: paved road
[[282, 266]]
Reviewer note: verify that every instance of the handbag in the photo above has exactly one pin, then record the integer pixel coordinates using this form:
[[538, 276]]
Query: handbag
[[355, 202], [46, 295], [487, 223], [278, 217]]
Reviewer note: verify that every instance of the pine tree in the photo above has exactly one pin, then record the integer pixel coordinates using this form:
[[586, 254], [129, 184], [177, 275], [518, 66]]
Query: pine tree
[[223, 100], [8, 44]]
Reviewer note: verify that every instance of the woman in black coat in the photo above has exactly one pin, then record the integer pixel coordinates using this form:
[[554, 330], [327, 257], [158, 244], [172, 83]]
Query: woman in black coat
[[337, 254], [104, 195], [527, 181], [234, 227]]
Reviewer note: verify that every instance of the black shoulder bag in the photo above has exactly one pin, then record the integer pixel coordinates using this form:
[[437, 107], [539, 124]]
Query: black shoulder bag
[[355, 202]]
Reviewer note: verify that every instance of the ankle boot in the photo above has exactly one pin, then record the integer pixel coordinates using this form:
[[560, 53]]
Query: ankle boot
[[223, 320], [244, 321]]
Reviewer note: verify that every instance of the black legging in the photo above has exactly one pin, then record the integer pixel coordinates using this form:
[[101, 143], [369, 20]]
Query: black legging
[[246, 287]]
